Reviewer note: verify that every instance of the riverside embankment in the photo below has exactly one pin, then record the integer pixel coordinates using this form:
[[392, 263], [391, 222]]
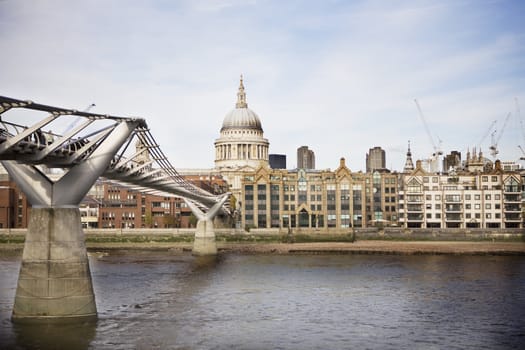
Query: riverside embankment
[[369, 241]]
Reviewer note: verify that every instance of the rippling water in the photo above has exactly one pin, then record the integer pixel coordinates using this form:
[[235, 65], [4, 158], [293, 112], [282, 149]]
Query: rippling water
[[158, 300]]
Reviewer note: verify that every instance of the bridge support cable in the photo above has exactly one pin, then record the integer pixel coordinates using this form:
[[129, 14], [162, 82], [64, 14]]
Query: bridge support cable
[[56, 172], [148, 167], [55, 280]]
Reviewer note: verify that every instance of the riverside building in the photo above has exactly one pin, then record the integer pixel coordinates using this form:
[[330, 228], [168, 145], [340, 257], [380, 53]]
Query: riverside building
[[477, 198], [318, 199]]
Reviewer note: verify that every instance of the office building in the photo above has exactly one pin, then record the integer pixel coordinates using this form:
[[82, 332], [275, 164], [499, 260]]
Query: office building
[[452, 161], [375, 159], [318, 199], [278, 161], [305, 158]]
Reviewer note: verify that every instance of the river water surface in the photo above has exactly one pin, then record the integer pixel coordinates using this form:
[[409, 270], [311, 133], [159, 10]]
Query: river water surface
[[163, 300]]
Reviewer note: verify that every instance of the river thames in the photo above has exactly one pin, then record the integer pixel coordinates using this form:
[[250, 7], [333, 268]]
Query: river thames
[[162, 300]]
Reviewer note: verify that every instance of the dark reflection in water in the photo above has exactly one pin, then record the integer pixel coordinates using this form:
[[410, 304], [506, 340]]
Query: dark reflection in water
[[54, 336], [159, 300]]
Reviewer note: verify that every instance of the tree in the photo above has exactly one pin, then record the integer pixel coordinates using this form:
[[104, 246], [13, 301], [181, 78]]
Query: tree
[[169, 220], [193, 220], [148, 219]]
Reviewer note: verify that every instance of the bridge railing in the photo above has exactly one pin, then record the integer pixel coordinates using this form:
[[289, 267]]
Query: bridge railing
[[140, 162]]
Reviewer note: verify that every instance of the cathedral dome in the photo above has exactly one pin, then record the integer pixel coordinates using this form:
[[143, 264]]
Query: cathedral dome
[[241, 117], [241, 144]]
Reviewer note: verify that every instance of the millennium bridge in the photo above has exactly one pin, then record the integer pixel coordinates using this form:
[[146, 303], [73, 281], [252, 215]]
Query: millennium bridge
[[55, 161]]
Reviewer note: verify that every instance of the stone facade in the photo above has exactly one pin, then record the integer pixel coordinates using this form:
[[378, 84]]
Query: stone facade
[[323, 199], [241, 146], [273, 198]]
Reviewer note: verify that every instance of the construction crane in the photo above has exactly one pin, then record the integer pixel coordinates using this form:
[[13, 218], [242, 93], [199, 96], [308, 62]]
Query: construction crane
[[522, 151], [495, 139], [492, 125], [518, 117], [74, 122], [434, 160]]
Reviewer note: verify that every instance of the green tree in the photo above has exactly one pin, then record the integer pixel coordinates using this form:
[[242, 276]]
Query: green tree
[[148, 219], [169, 221], [193, 220]]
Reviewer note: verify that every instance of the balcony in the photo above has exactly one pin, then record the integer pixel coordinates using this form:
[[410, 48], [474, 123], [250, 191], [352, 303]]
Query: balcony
[[453, 217], [414, 199], [511, 189], [453, 208], [512, 198], [512, 209], [452, 200], [415, 217], [513, 217], [414, 208]]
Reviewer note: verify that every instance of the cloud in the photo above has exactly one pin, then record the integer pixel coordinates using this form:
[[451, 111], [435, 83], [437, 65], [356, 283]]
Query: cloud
[[337, 76]]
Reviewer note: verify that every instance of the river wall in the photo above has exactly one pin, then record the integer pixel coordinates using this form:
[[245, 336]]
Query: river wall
[[360, 233]]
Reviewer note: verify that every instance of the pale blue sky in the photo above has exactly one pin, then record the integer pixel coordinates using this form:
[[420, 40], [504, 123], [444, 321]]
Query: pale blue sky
[[338, 76]]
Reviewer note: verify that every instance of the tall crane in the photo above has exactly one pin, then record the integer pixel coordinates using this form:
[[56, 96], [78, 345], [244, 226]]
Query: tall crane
[[74, 122], [495, 139], [434, 160], [492, 125], [522, 151], [522, 127]]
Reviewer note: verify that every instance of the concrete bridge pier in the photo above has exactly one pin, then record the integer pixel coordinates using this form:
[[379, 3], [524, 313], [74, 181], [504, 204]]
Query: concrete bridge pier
[[54, 281], [204, 242]]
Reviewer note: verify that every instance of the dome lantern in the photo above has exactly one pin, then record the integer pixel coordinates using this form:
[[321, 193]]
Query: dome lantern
[[241, 97], [241, 117]]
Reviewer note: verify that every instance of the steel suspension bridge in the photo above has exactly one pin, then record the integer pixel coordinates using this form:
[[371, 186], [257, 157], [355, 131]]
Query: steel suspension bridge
[[55, 160]]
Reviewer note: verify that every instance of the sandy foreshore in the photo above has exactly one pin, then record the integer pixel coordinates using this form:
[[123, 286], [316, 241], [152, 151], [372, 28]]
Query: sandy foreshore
[[359, 247], [383, 247]]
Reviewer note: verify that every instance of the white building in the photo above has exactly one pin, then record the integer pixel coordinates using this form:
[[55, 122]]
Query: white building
[[463, 200], [241, 146]]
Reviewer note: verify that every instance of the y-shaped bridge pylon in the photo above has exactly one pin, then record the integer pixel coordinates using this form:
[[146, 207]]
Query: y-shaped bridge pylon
[[55, 280], [204, 243]]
